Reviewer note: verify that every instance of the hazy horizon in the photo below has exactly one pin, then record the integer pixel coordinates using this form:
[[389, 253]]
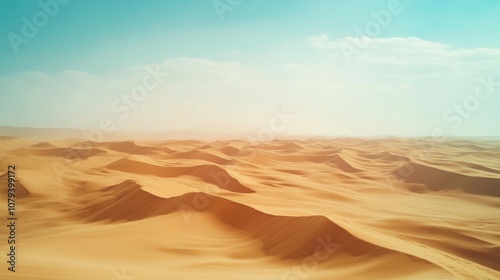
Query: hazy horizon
[[251, 134]]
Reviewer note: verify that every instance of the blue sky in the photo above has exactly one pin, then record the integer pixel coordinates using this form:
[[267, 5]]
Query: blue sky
[[426, 60]]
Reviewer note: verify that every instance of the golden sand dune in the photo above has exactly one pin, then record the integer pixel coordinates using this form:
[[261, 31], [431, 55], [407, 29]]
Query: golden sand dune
[[437, 179], [128, 147], [283, 209], [287, 237], [65, 153], [207, 173], [21, 190]]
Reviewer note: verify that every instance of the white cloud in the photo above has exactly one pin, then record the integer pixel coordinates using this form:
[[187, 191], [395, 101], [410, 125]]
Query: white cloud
[[406, 51]]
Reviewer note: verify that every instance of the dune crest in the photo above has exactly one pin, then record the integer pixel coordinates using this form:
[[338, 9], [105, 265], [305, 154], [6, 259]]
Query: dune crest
[[128, 147], [43, 144], [442, 180], [68, 153], [207, 173], [287, 237]]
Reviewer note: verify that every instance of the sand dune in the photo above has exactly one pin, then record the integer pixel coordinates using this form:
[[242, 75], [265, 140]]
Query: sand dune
[[207, 173], [287, 237], [437, 179], [43, 144], [129, 147], [66, 153], [282, 209], [200, 156], [21, 190]]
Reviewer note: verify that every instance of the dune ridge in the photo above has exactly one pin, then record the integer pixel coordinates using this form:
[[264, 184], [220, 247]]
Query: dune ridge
[[21, 190], [207, 173], [287, 237], [437, 179], [66, 153]]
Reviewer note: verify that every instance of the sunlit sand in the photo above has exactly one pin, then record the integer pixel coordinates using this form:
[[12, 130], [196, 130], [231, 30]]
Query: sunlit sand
[[283, 209]]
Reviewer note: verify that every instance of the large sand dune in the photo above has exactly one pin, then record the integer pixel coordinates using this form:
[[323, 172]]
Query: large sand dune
[[283, 209]]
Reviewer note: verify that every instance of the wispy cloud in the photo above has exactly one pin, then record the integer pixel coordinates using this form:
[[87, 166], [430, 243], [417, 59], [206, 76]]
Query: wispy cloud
[[407, 51]]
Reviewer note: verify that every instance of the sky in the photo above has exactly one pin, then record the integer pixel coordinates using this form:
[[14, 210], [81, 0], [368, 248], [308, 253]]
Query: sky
[[282, 67]]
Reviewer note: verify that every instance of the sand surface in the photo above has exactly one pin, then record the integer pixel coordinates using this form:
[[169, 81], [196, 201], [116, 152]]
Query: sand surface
[[284, 209]]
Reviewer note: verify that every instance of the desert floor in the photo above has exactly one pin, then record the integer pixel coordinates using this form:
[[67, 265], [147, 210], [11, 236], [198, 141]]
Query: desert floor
[[283, 209]]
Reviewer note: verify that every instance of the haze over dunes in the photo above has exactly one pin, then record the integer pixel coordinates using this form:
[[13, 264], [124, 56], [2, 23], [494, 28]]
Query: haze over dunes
[[282, 209]]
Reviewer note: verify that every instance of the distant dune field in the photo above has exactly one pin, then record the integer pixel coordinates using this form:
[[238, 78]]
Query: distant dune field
[[316, 209]]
